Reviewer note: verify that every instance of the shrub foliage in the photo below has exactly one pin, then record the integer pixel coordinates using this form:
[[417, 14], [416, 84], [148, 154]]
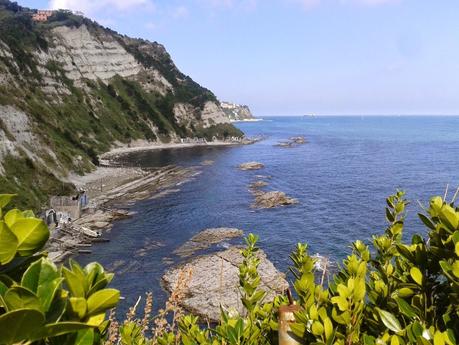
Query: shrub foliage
[[43, 303], [392, 292]]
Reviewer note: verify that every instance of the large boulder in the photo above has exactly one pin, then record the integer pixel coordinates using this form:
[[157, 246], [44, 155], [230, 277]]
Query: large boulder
[[213, 281]]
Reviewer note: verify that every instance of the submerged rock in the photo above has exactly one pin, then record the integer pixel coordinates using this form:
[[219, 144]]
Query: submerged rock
[[258, 184], [284, 144], [292, 142], [205, 239], [298, 140], [251, 166], [214, 281], [272, 199]]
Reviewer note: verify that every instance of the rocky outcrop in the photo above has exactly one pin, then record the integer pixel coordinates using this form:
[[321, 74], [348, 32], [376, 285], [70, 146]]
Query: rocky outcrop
[[251, 166], [266, 199], [212, 115], [292, 142], [236, 112], [205, 239], [213, 282], [272, 199]]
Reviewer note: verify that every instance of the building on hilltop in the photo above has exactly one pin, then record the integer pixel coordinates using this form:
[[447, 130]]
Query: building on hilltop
[[42, 15]]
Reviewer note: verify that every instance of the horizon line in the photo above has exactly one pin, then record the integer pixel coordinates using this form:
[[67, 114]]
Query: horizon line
[[357, 115]]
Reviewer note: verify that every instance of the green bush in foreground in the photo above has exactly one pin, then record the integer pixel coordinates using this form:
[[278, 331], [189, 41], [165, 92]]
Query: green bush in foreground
[[34, 305], [393, 293]]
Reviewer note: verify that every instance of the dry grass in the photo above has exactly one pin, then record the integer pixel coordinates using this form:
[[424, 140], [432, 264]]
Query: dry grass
[[159, 324], [162, 325]]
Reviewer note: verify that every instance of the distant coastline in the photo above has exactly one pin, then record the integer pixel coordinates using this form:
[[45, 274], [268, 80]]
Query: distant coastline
[[246, 120]]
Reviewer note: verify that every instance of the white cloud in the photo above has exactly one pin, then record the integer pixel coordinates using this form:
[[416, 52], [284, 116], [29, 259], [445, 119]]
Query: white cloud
[[93, 6]]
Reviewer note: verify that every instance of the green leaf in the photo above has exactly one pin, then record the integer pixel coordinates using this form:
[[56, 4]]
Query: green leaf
[[439, 339], [317, 328], [57, 329], [78, 306], [328, 328], [427, 222], [12, 216], [298, 329], [5, 199], [102, 300], [449, 217], [8, 244], [18, 325], [389, 320], [85, 337], [42, 278], [19, 297], [3, 288], [416, 274], [73, 282], [32, 234], [405, 308], [390, 217], [368, 340], [405, 292], [455, 268]]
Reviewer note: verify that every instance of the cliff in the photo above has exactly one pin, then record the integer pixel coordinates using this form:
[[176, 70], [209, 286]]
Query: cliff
[[71, 89], [236, 112]]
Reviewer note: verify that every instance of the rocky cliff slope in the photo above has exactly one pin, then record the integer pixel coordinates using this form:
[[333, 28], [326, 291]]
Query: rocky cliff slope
[[71, 89], [236, 112]]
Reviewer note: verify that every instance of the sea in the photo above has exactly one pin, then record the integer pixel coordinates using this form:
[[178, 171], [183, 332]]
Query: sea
[[340, 178]]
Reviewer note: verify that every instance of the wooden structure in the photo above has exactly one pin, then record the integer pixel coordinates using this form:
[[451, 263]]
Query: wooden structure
[[66, 204]]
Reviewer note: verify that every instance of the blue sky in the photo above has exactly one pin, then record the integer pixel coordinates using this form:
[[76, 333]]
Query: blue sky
[[293, 57]]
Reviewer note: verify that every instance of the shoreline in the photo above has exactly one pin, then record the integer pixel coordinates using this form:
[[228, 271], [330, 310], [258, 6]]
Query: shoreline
[[142, 145], [112, 192]]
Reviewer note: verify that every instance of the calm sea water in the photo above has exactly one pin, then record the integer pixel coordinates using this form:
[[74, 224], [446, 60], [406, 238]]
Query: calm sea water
[[341, 178]]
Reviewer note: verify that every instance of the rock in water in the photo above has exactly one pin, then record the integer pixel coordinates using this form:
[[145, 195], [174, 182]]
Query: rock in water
[[214, 282], [205, 239], [292, 142], [272, 199], [251, 166], [258, 184], [298, 140]]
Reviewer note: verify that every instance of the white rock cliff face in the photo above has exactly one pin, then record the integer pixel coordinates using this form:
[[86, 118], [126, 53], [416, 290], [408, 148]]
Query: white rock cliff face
[[15, 134], [212, 114], [85, 56], [236, 112]]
